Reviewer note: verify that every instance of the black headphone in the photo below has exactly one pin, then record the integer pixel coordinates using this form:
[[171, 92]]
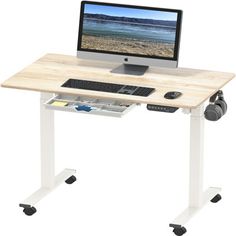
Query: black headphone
[[217, 108]]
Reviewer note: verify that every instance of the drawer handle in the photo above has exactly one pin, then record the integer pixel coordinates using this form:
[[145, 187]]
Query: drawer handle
[[83, 108]]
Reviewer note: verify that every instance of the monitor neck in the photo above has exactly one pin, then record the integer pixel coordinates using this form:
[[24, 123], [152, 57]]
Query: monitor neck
[[130, 69]]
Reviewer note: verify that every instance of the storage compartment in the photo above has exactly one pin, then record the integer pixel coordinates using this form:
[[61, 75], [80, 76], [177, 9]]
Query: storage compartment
[[88, 105]]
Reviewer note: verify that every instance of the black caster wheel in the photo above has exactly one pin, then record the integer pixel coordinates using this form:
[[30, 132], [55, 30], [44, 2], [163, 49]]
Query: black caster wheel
[[29, 211], [71, 180], [179, 231], [216, 199]]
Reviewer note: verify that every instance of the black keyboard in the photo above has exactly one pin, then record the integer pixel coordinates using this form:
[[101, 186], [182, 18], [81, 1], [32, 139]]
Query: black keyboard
[[108, 87]]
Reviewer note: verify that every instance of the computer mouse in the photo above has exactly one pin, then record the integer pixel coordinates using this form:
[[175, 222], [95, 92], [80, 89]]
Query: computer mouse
[[172, 95]]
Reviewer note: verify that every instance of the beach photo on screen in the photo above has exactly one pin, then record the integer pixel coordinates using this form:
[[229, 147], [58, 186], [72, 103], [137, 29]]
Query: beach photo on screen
[[129, 30]]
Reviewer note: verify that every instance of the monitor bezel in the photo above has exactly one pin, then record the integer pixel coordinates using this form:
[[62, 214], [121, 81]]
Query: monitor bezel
[[97, 52]]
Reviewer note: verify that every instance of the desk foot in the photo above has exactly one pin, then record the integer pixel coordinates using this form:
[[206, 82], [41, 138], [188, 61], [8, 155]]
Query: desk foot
[[210, 195], [29, 203]]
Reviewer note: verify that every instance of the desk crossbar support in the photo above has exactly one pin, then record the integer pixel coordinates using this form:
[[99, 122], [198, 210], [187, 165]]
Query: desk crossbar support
[[197, 197], [48, 179]]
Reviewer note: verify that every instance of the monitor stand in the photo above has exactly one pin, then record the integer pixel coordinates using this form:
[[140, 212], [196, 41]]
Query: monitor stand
[[130, 69]]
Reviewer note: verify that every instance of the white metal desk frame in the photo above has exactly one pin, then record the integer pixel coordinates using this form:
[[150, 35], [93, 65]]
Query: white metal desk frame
[[48, 179], [197, 197]]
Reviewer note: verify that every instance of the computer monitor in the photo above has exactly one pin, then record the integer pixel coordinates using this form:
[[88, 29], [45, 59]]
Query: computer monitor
[[136, 36]]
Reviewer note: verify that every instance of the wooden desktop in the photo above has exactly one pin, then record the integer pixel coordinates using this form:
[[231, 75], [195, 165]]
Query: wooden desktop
[[49, 72]]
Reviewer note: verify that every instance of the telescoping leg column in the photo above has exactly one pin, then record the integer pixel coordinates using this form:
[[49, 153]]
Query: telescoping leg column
[[48, 179], [197, 198]]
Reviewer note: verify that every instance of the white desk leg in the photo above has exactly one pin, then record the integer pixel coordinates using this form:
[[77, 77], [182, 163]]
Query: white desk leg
[[48, 179], [197, 198], [47, 144]]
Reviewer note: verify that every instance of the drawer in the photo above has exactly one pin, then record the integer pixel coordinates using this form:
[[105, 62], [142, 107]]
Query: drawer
[[88, 105]]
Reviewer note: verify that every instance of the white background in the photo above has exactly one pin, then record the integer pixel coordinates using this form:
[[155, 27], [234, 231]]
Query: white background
[[133, 172]]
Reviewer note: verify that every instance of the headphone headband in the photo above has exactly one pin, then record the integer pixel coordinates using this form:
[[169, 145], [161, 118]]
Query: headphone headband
[[217, 94]]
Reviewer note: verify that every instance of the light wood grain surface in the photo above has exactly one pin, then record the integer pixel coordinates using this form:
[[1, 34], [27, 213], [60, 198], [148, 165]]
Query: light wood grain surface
[[49, 72]]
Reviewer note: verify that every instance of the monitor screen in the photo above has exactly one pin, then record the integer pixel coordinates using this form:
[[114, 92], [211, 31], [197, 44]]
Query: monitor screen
[[137, 36], [129, 30]]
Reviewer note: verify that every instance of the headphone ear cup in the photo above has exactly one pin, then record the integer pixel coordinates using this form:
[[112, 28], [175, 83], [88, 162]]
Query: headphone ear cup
[[213, 112], [222, 104]]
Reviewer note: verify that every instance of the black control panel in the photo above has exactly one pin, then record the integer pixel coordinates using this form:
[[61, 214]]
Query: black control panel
[[151, 107]]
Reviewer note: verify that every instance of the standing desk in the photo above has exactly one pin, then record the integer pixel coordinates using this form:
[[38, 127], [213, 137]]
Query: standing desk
[[46, 76]]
